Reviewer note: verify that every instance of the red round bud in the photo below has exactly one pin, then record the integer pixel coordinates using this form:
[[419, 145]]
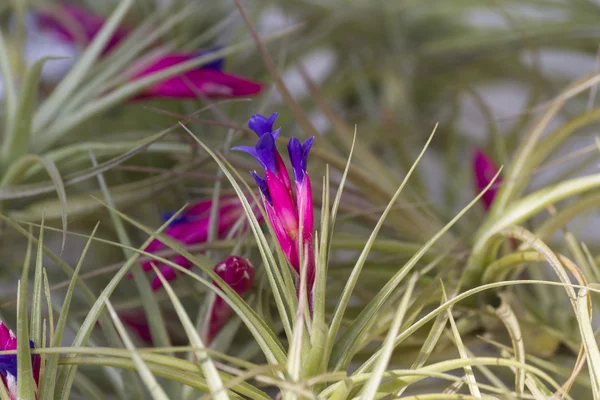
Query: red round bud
[[237, 272]]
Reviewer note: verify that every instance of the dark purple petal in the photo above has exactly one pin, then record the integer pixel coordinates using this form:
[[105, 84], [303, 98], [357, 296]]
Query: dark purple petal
[[8, 365], [217, 64], [307, 146], [247, 149], [275, 133], [264, 152], [265, 148], [252, 151], [167, 215], [295, 153], [261, 124], [298, 153], [262, 185]]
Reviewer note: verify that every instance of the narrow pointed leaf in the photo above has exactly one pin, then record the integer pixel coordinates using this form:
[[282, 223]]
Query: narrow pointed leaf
[[370, 389], [48, 382], [17, 137], [36, 301], [157, 324], [156, 391], [206, 364], [25, 382]]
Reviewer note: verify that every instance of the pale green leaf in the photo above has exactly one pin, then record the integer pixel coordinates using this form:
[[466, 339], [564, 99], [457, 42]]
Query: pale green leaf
[[25, 382], [80, 70], [158, 330], [469, 375], [47, 384], [369, 391], [17, 137], [156, 391], [206, 364], [353, 279], [36, 301]]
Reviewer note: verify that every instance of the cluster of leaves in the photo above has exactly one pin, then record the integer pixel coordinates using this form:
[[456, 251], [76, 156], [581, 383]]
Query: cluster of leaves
[[416, 297]]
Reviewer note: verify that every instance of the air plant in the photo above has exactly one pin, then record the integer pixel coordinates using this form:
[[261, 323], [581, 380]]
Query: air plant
[[364, 280]]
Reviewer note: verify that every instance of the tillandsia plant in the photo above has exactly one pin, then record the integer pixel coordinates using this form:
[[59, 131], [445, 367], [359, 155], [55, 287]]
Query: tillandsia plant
[[396, 285]]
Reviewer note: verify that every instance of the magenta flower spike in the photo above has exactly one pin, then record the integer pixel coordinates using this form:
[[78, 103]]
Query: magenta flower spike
[[238, 273], [76, 25], [8, 362], [298, 153], [192, 228], [284, 210], [484, 171]]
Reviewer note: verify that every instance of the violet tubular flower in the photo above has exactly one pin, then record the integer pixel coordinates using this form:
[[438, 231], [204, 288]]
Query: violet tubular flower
[[8, 362], [192, 227], [287, 213], [484, 171], [238, 273]]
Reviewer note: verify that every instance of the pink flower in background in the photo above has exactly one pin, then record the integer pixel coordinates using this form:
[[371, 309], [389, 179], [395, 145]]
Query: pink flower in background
[[192, 228], [8, 362], [238, 273], [484, 171], [138, 323], [208, 81], [76, 25], [72, 26]]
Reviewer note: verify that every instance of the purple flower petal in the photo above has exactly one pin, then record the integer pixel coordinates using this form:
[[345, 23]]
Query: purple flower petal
[[298, 153], [253, 151], [264, 152], [261, 124], [167, 215], [262, 185], [248, 149], [275, 133], [265, 147]]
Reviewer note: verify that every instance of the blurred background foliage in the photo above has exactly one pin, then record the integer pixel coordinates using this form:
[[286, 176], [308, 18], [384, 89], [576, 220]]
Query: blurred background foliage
[[483, 71]]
